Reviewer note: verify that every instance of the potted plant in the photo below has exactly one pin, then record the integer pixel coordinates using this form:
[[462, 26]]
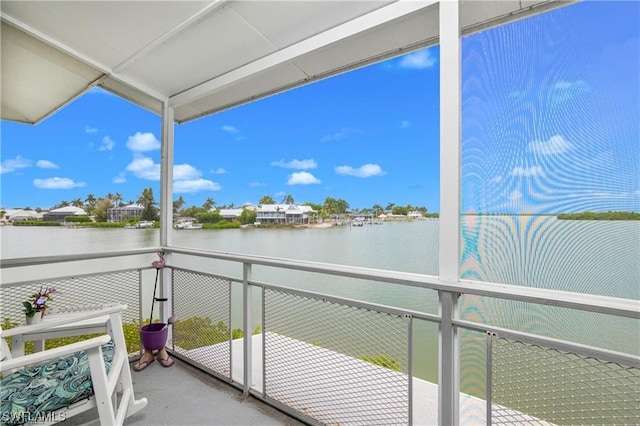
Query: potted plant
[[31, 313], [153, 336], [42, 298]]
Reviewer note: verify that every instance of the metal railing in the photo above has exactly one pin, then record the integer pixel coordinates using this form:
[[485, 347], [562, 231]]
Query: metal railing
[[326, 359]]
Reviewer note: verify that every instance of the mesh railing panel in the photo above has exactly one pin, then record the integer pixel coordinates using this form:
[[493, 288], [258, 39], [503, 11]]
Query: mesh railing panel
[[202, 333], [83, 292], [533, 384], [316, 355]]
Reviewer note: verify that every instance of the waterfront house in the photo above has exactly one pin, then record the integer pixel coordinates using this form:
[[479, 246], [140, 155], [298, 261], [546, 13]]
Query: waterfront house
[[284, 214], [120, 214], [59, 214], [187, 60], [234, 214], [230, 214], [14, 215]]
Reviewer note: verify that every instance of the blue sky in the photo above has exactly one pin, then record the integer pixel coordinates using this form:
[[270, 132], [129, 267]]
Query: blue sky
[[550, 123]]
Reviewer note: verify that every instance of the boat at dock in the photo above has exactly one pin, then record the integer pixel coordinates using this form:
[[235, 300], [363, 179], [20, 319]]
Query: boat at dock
[[187, 224], [143, 224]]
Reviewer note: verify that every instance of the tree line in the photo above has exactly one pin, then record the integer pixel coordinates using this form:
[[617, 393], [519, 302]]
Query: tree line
[[610, 215], [209, 211]]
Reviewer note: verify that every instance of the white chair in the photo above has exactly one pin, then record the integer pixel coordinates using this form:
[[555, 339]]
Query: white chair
[[55, 384]]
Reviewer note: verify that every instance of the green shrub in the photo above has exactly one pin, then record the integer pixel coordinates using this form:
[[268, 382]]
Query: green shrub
[[36, 223], [382, 361], [223, 224], [77, 219]]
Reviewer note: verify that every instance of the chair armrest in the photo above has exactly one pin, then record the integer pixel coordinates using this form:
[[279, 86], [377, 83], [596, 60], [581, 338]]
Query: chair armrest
[[54, 353]]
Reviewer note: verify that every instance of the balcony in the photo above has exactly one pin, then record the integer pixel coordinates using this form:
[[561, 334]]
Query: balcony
[[249, 341], [324, 359]]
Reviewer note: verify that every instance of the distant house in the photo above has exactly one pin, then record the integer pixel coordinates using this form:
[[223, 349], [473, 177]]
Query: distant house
[[233, 214], [414, 215], [58, 215], [119, 214], [15, 215], [284, 213], [230, 214]]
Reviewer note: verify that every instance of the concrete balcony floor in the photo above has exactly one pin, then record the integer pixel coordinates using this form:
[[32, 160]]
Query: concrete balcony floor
[[184, 395]]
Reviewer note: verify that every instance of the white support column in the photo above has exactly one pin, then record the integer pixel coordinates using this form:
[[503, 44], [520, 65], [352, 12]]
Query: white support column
[[450, 190], [450, 115], [166, 203], [166, 177], [246, 327]]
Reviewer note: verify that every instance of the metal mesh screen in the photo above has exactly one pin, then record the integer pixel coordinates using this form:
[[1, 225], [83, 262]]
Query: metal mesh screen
[[203, 332], [533, 383], [335, 363], [74, 293]]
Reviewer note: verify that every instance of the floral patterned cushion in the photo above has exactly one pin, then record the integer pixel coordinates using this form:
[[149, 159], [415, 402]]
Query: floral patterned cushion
[[59, 383]]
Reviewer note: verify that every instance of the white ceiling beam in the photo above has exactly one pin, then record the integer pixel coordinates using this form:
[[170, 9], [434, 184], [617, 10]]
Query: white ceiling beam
[[333, 35], [81, 57]]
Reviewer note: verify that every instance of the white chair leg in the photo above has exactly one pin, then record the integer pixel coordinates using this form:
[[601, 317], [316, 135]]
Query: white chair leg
[[104, 402], [125, 382]]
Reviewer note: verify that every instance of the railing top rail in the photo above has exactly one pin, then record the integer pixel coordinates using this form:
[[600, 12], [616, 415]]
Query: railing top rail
[[44, 260], [581, 301]]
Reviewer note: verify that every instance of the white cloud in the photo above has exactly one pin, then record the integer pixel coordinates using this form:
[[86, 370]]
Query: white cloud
[[219, 171], [141, 142], [229, 129], [185, 172], [495, 179], [365, 171], [418, 60], [527, 171], [121, 178], [13, 164], [144, 168], [404, 124], [256, 184], [46, 164], [302, 178], [186, 178], [57, 183], [296, 164], [338, 136], [194, 185], [89, 129], [107, 144], [554, 145]]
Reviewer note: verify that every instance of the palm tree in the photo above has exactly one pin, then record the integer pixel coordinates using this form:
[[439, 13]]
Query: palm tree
[[117, 199], [147, 201], [266, 199], [288, 199], [177, 205], [91, 202], [77, 202], [209, 204]]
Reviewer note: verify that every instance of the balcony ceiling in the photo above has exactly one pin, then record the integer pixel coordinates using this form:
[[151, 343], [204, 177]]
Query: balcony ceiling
[[203, 57]]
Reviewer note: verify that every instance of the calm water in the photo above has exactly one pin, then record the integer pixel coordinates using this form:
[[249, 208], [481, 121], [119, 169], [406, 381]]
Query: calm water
[[591, 257]]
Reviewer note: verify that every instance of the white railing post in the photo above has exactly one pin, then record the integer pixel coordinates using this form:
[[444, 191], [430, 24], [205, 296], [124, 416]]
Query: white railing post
[[246, 327], [449, 361]]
